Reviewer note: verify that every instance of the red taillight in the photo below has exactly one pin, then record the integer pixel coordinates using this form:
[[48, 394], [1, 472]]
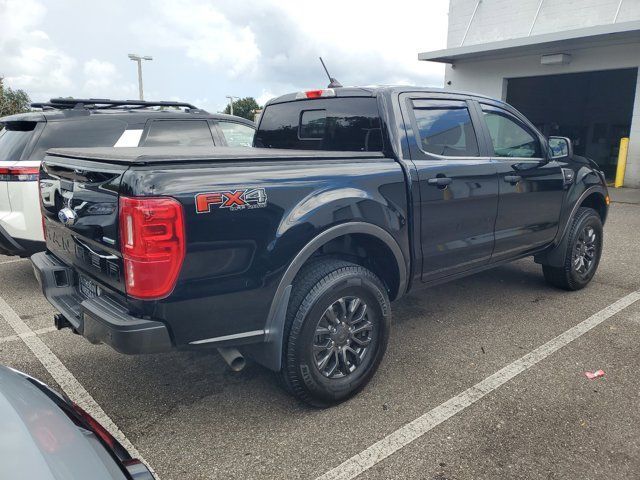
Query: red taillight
[[313, 93], [152, 242], [19, 174], [98, 429], [316, 93]]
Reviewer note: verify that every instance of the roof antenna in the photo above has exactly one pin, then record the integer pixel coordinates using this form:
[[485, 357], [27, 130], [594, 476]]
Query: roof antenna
[[333, 83]]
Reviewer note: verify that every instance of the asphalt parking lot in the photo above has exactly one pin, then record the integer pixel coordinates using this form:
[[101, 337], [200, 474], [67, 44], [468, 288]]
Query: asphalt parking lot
[[190, 417]]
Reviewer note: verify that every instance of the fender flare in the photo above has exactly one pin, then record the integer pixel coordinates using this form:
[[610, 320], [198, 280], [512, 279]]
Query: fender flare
[[555, 256], [269, 353]]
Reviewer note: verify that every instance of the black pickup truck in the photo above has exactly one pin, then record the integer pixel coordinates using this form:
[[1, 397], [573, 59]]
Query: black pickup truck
[[289, 253]]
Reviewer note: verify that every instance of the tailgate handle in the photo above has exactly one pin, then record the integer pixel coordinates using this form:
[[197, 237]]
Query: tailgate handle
[[91, 250], [440, 181], [512, 178]]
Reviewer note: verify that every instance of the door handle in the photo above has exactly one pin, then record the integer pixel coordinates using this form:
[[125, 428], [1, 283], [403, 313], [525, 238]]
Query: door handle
[[512, 178], [440, 181]]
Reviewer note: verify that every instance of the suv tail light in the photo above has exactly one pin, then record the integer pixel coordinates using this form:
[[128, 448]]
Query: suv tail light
[[19, 174], [152, 242]]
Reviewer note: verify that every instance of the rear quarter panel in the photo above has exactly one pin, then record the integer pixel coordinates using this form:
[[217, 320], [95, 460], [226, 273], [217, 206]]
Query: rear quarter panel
[[236, 258]]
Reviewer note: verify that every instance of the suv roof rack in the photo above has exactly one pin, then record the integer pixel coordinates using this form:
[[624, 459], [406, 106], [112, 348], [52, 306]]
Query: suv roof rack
[[90, 103]]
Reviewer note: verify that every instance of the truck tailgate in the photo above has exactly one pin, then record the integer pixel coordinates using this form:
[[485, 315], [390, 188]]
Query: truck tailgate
[[80, 209]]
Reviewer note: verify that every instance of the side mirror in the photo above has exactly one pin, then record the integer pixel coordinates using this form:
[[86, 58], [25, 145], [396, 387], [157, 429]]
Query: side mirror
[[559, 148]]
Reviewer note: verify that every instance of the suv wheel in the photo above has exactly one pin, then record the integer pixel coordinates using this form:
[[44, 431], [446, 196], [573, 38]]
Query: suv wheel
[[582, 255], [337, 330]]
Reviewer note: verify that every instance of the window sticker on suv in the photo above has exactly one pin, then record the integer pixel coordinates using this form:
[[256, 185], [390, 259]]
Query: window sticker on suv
[[129, 138]]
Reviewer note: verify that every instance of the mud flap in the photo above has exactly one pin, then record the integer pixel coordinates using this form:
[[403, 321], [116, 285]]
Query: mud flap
[[555, 256], [269, 353]]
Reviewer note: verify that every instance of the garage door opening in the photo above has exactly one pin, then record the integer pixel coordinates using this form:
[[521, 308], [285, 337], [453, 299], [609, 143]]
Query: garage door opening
[[593, 109]]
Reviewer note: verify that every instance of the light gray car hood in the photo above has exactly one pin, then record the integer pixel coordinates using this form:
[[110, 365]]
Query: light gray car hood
[[39, 441]]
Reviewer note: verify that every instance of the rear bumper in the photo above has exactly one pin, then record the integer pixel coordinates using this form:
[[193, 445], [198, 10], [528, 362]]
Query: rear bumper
[[22, 248], [100, 319]]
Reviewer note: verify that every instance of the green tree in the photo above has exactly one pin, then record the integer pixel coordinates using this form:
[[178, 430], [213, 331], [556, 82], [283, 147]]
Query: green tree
[[12, 101], [244, 107]]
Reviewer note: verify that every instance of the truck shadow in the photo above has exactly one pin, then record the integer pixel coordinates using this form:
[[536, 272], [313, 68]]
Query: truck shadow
[[162, 383]]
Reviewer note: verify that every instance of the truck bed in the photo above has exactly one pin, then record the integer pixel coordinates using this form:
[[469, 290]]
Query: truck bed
[[159, 155]]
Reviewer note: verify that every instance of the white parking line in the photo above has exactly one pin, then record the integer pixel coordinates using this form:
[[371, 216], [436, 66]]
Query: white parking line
[[14, 261], [74, 390], [402, 437], [40, 331]]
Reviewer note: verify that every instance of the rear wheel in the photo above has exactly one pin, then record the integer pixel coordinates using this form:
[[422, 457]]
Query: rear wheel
[[582, 254], [336, 333]]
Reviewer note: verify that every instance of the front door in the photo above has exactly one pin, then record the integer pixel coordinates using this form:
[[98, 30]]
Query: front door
[[458, 184], [531, 187]]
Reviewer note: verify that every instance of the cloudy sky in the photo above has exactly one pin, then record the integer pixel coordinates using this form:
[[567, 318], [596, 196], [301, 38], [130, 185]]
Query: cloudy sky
[[205, 49]]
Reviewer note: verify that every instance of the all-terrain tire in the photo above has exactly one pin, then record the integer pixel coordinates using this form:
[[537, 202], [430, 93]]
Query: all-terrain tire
[[320, 285], [569, 276]]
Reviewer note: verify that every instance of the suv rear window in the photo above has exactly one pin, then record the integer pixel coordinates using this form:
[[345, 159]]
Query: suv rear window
[[14, 138], [349, 124], [192, 133], [79, 133], [237, 134]]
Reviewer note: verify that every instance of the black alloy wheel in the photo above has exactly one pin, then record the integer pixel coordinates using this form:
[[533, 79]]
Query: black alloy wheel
[[343, 335]]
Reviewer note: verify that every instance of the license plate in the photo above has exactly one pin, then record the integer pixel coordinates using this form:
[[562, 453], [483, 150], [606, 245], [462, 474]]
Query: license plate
[[88, 288]]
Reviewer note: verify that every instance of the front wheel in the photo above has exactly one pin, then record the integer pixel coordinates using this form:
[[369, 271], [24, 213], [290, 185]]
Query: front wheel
[[582, 254], [337, 331]]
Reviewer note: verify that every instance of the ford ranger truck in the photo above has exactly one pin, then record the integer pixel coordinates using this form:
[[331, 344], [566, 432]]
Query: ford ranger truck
[[290, 253]]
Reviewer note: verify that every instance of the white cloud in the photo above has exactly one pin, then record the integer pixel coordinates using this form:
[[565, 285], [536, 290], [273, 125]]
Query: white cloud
[[265, 96], [203, 33], [28, 59], [205, 50], [276, 44], [102, 80]]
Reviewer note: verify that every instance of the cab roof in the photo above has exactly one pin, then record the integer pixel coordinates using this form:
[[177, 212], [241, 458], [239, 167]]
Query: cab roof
[[370, 91]]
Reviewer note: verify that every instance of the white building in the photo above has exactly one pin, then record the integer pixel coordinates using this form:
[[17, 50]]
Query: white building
[[571, 66]]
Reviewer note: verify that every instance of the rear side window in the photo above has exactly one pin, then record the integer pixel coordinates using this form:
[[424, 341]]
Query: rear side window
[[348, 124], [237, 134], [14, 138], [445, 128], [78, 133], [187, 133]]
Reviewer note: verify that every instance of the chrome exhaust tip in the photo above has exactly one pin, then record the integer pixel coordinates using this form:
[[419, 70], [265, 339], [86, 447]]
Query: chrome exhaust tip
[[233, 357]]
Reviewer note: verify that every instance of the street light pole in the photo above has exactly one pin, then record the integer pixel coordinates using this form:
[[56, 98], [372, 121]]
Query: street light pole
[[230, 97], [138, 59]]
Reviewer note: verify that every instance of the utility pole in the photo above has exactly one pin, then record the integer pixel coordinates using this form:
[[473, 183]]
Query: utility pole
[[231, 97], [138, 59]]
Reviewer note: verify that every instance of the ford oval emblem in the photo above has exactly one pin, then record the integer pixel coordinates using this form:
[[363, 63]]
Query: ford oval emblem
[[67, 216]]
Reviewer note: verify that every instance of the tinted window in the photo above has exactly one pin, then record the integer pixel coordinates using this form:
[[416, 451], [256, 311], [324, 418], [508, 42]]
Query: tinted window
[[350, 124], [14, 138], [509, 138], [78, 133], [312, 124], [237, 134], [191, 133], [445, 128]]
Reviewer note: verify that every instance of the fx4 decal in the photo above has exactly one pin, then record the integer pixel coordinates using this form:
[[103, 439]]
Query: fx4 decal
[[231, 199]]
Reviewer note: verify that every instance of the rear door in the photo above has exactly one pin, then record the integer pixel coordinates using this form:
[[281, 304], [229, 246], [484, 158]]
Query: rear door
[[531, 187], [458, 183]]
